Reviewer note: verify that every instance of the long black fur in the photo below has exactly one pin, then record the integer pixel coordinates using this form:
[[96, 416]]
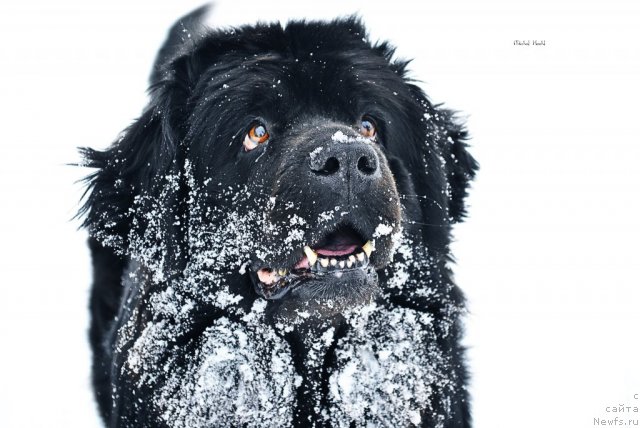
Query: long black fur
[[424, 144]]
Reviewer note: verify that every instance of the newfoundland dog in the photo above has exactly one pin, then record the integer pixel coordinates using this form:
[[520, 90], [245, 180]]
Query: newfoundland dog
[[270, 239]]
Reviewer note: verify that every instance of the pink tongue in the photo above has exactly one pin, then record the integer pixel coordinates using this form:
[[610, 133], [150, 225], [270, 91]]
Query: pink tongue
[[267, 276], [339, 252], [304, 261]]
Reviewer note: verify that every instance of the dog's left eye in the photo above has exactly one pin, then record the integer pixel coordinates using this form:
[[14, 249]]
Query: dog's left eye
[[257, 135], [367, 128]]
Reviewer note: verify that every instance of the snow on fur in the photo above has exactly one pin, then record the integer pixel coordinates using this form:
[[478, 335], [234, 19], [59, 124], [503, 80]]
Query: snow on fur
[[239, 370]]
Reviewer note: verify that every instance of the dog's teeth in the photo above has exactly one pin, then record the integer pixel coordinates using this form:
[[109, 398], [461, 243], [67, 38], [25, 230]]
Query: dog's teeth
[[352, 259], [368, 248], [341, 264], [333, 262], [282, 272], [360, 257], [324, 262], [349, 263], [312, 256]]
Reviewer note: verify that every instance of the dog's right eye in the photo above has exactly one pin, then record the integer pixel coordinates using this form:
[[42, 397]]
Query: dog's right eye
[[257, 135]]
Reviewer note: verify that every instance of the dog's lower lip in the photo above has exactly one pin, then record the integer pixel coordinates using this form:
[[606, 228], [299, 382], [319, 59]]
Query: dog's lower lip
[[325, 257], [274, 283]]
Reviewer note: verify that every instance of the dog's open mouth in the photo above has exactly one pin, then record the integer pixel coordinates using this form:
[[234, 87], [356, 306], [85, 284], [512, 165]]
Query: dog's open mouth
[[340, 252]]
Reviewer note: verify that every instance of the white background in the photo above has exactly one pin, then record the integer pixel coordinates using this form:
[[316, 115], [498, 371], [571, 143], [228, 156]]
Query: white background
[[548, 257]]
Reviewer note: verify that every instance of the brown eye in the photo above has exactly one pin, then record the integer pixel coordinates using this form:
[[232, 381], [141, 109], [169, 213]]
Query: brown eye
[[367, 128], [257, 135]]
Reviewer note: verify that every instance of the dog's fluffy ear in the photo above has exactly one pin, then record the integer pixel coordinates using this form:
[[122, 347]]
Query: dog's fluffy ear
[[184, 33], [446, 149], [133, 165], [460, 166], [147, 152]]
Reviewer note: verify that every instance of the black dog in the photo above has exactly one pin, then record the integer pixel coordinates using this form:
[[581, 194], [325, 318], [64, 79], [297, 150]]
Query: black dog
[[270, 239]]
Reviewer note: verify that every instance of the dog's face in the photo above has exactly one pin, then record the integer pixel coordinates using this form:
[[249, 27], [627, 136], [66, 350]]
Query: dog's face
[[330, 189], [308, 137], [317, 143]]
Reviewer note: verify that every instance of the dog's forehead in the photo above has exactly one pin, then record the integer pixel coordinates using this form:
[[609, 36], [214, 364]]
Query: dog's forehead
[[338, 67], [319, 52], [286, 84]]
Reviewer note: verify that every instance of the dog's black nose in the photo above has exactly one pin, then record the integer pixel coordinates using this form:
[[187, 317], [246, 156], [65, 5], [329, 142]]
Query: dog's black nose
[[354, 161]]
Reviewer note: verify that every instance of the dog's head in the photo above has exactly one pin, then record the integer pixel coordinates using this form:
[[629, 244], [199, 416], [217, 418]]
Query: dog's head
[[288, 158]]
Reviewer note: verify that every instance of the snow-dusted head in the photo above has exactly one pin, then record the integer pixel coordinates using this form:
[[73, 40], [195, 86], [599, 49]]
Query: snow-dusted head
[[271, 238], [308, 142]]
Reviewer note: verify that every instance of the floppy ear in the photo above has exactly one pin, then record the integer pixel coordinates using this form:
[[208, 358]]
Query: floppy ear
[[147, 153], [446, 149], [130, 167], [460, 166], [181, 36]]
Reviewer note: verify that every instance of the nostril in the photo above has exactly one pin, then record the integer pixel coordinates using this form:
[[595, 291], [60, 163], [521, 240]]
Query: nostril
[[366, 165], [331, 166]]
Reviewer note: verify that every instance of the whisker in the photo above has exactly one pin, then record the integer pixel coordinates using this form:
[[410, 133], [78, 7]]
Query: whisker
[[425, 224], [405, 196]]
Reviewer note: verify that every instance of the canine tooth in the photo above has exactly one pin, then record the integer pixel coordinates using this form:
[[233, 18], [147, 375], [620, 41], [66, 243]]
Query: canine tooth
[[324, 262], [349, 263], [333, 262], [341, 264], [352, 259], [282, 272], [368, 248], [312, 256], [360, 257]]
